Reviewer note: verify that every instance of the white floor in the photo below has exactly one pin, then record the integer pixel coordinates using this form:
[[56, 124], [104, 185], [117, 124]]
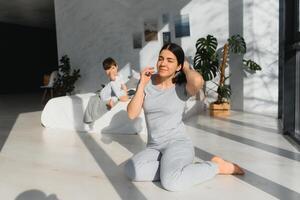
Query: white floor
[[41, 164]]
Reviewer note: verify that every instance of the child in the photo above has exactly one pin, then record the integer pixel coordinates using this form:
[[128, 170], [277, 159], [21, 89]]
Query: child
[[112, 92], [116, 89]]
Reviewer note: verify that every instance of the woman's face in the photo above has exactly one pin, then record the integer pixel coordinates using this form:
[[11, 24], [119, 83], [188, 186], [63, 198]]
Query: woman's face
[[167, 64]]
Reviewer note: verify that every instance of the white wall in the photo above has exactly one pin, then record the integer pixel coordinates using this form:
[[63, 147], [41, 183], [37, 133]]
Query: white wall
[[261, 30], [89, 31]]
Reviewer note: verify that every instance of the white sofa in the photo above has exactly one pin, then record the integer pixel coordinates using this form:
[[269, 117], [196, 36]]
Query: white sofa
[[67, 113]]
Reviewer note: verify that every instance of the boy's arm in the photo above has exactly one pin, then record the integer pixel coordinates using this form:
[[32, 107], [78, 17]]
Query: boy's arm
[[124, 87], [110, 104], [121, 93], [105, 96], [124, 97]]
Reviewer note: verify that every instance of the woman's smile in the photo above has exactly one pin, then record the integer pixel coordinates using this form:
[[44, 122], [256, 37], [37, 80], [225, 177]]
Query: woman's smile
[[163, 69]]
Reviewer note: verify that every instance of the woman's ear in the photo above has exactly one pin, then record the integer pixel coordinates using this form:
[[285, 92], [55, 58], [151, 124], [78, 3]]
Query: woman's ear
[[178, 68]]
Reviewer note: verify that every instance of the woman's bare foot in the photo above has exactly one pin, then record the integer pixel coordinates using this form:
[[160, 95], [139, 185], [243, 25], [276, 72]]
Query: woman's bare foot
[[226, 167]]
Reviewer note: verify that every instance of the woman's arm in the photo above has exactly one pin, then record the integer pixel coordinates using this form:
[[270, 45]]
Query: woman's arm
[[135, 105], [194, 79]]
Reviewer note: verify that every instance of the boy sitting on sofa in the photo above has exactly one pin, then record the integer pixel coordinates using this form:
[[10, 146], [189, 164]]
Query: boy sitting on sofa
[[112, 92]]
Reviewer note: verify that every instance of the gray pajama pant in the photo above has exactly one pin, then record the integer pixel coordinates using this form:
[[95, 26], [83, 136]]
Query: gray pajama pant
[[172, 164]]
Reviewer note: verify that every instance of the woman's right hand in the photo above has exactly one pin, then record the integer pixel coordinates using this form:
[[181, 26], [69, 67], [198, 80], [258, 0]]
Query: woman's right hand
[[146, 75], [136, 103]]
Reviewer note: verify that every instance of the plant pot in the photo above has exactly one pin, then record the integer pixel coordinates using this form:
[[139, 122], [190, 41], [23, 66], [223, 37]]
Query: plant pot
[[220, 109]]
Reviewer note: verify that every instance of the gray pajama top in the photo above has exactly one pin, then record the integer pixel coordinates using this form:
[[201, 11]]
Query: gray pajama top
[[163, 110]]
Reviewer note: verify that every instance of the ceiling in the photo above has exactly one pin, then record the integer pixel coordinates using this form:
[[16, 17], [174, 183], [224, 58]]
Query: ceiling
[[34, 13]]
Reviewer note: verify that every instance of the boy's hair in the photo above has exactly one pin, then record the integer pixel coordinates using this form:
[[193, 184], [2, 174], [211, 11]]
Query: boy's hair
[[108, 63]]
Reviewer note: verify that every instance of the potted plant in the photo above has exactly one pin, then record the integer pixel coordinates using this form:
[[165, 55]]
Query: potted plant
[[210, 64], [65, 83]]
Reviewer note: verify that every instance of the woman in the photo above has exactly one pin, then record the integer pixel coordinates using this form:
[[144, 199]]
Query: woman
[[170, 153]]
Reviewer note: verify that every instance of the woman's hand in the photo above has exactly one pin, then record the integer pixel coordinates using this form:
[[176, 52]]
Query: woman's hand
[[186, 66], [135, 105], [146, 75], [194, 79]]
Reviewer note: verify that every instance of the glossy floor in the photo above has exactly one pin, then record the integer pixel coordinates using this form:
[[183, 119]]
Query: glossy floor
[[43, 164]]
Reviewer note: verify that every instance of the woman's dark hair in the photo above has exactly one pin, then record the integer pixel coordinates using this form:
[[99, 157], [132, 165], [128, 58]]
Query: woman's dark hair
[[179, 54], [108, 63]]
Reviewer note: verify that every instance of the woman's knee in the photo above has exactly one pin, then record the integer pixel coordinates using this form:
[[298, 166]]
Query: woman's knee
[[132, 170], [171, 182], [129, 169]]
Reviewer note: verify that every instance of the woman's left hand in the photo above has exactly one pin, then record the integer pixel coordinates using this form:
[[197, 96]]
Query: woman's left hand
[[186, 66], [194, 79]]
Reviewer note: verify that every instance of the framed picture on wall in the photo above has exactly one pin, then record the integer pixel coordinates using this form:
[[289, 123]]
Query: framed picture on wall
[[150, 29], [182, 26], [137, 40], [166, 37]]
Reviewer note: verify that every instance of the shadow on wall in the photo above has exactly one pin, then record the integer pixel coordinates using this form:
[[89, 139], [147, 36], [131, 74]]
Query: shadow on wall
[[261, 89], [268, 82]]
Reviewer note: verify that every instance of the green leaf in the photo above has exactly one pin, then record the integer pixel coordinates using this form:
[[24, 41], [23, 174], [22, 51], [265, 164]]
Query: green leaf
[[66, 79], [206, 59], [207, 68], [237, 44], [207, 45], [224, 93]]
